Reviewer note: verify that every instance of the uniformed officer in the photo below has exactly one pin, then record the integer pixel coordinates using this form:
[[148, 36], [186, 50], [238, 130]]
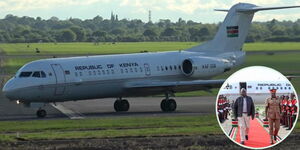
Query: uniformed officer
[[293, 111], [220, 109], [225, 108], [287, 111], [282, 109], [273, 114]]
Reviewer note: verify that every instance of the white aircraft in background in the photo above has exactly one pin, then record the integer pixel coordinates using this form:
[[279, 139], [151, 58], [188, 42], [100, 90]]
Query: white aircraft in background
[[258, 81], [258, 90], [142, 74]]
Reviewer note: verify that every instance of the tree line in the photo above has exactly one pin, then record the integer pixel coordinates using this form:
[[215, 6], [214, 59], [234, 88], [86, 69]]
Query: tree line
[[14, 29]]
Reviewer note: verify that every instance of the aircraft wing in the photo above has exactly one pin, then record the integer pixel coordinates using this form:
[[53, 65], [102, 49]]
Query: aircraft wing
[[175, 86]]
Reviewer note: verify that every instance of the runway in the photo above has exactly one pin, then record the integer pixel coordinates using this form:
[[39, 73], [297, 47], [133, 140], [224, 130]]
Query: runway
[[139, 106]]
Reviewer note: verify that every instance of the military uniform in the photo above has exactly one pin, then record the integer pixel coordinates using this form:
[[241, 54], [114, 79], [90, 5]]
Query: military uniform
[[289, 114], [282, 119], [293, 111], [284, 110], [220, 109], [287, 111], [273, 115]]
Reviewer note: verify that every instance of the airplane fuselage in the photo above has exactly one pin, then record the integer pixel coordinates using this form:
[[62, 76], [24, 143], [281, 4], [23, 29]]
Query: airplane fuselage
[[78, 78]]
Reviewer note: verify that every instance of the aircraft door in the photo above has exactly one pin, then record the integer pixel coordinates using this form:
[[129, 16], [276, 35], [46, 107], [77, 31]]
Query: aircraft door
[[147, 69], [60, 79], [243, 85]]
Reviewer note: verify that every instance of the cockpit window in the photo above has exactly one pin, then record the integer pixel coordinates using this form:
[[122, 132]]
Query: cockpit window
[[39, 74], [36, 74], [43, 74], [25, 74]]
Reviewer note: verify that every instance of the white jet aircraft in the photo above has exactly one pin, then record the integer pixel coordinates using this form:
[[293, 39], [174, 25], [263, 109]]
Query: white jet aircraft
[[258, 90], [80, 78], [258, 81]]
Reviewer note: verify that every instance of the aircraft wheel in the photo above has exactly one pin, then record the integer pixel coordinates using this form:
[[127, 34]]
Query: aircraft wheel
[[163, 105], [171, 103], [168, 105], [121, 105], [124, 105], [41, 113], [117, 105]]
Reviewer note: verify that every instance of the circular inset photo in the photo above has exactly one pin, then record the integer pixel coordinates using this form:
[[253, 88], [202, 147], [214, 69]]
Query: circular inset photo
[[257, 107]]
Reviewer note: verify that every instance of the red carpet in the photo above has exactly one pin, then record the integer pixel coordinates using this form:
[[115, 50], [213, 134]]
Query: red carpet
[[258, 136]]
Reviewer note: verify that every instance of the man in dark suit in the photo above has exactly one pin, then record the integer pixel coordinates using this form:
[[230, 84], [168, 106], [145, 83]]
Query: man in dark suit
[[243, 110]]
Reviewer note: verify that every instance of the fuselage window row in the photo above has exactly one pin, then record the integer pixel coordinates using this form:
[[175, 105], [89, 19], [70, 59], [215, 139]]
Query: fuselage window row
[[95, 73], [162, 68]]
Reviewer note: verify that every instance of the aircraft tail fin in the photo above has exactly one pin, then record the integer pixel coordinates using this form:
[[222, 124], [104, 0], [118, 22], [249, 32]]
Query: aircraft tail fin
[[234, 29]]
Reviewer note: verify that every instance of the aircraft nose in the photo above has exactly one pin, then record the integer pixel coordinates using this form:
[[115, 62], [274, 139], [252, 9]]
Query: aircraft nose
[[9, 89]]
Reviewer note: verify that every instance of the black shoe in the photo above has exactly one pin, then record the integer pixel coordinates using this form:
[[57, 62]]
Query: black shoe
[[246, 137], [288, 129], [243, 143], [275, 137]]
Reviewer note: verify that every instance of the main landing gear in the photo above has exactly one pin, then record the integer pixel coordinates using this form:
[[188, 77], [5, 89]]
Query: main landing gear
[[168, 105], [121, 105], [41, 113]]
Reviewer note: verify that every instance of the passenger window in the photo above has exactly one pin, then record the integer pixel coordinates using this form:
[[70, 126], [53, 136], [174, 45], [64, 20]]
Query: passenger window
[[99, 72], [43, 74], [175, 67], [112, 71], [36, 74], [135, 69], [67, 72], [76, 74], [25, 74], [103, 72], [131, 70]]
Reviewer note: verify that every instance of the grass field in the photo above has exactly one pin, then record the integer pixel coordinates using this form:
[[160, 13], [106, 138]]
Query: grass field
[[108, 127], [126, 47]]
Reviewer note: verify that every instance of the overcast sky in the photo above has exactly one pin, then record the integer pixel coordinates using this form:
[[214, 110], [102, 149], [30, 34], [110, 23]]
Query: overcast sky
[[196, 10]]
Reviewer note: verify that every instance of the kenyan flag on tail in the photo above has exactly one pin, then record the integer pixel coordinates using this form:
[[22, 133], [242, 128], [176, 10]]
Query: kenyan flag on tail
[[232, 31]]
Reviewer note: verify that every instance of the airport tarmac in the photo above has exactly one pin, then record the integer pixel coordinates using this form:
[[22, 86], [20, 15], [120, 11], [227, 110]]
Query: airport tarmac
[[139, 106]]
